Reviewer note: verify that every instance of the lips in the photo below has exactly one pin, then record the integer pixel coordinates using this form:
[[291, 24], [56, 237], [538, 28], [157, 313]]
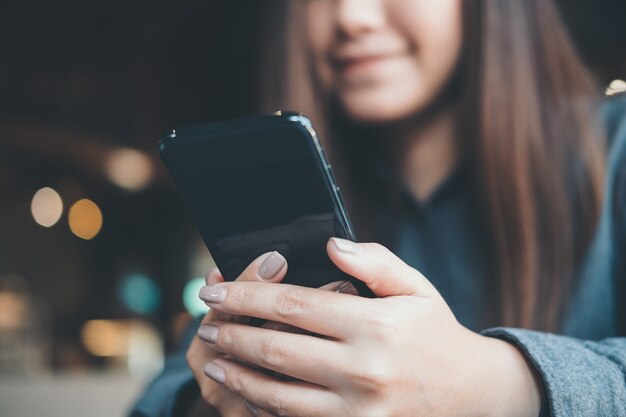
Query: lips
[[362, 62], [356, 58], [366, 65]]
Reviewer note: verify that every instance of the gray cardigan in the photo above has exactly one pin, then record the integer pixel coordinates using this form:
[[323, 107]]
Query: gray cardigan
[[582, 367]]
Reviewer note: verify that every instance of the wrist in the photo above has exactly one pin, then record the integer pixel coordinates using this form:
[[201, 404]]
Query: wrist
[[514, 385]]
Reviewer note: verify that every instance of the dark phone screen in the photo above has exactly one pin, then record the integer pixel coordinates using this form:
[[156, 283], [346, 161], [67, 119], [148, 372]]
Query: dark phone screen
[[256, 186]]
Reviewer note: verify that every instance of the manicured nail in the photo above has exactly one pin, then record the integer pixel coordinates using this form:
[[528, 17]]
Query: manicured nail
[[251, 409], [213, 294], [215, 373], [208, 333], [271, 266], [346, 287], [346, 246]]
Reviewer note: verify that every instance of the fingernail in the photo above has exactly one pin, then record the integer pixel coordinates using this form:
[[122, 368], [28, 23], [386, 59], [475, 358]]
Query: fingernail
[[346, 287], [346, 246], [251, 409], [208, 333], [271, 266], [213, 294], [215, 373]]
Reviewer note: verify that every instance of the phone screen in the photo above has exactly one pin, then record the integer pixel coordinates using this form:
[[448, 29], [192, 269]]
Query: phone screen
[[259, 185]]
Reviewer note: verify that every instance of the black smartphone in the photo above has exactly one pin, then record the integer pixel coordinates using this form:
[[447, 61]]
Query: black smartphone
[[257, 185]]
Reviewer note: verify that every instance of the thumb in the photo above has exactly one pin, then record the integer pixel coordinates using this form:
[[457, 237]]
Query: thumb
[[382, 271]]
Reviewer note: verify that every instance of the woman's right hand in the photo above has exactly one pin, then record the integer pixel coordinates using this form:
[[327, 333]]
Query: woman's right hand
[[269, 267]]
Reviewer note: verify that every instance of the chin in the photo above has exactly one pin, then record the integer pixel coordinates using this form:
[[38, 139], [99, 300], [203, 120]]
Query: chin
[[380, 109]]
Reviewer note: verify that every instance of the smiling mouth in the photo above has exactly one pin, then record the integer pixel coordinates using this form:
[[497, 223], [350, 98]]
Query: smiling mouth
[[360, 62], [364, 65]]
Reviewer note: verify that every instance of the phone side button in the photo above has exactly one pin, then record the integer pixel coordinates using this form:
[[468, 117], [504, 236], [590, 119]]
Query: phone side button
[[331, 175], [324, 157]]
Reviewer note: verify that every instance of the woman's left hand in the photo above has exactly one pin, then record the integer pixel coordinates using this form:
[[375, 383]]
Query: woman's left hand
[[402, 354]]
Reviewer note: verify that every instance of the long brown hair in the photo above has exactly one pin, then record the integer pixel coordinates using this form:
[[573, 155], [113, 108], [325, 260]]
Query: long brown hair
[[527, 110]]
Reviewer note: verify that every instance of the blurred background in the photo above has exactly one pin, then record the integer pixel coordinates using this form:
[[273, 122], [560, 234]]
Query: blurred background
[[99, 262]]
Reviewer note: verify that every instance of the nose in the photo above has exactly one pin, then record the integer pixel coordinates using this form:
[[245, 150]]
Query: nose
[[355, 17]]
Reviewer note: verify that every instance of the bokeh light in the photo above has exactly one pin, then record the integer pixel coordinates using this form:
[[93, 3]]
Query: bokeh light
[[46, 207], [129, 169], [12, 310], [146, 356], [85, 219], [616, 87], [106, 337], [136, 341], [140, 294], [193, 304]]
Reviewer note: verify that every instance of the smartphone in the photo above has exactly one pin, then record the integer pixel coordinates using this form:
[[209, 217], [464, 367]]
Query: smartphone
[[257, 185]]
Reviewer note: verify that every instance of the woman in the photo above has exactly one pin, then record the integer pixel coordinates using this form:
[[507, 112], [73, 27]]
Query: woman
[[467, 134]]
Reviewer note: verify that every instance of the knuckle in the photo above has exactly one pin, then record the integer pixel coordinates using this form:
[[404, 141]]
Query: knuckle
[[378, 247], [388, 262], [226, 337], [383, 327], [277, 405], [290, 303], [272, 352], [374, 380], [239, 296], [196, 353], [237, 383], [383, 253]]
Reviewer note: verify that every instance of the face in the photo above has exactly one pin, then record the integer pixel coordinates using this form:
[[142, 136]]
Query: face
[[384, 59]]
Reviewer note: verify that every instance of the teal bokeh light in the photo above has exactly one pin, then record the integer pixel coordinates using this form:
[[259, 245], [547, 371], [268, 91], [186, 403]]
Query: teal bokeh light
[[193, 304], [140, 294]]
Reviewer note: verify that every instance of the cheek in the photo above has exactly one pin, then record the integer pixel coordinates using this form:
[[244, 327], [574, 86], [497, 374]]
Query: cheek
[[437, 39]]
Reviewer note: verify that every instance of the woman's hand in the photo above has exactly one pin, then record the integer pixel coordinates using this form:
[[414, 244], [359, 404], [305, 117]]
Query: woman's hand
[[403, 354], [270, 267]]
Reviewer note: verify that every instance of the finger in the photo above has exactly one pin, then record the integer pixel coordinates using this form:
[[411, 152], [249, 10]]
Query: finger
[[382, 271], [322, 312], [343, 287], [213, 276], [225, 402], [197, 356], [256, 411], [228, 403], [303, 357], [280, 398], [269, 267]]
